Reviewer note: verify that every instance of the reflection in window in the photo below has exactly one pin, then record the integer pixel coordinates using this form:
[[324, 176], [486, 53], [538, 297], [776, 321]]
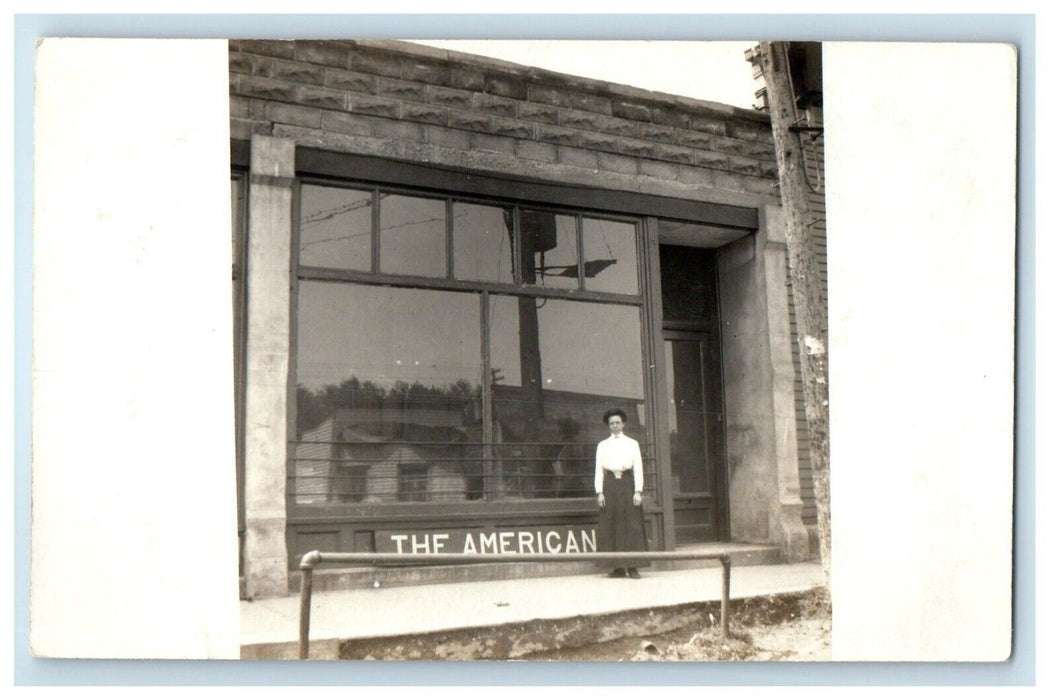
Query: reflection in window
[[335, 227], [482, 243], [349, 484], [413, 238], [413, 484], [610, 264], [686, 416], [387, 377], [389, 394], [556, 367], [548, 249], [608, 348]]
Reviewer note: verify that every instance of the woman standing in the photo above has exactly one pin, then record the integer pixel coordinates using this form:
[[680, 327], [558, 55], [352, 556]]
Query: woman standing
[[618, 484]]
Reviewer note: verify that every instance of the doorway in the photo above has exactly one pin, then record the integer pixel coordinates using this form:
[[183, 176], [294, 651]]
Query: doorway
[[695, 416]]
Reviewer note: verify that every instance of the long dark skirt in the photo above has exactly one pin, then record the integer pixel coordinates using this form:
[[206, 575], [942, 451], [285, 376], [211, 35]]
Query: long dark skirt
[[621, 525]]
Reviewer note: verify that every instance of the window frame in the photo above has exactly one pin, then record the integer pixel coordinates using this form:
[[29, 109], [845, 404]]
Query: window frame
[[449, 282], [483, 289], [468, 185]]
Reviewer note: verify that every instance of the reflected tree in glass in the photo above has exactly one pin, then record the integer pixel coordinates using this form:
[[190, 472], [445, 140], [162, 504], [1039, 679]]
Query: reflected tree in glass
[[388, 378]]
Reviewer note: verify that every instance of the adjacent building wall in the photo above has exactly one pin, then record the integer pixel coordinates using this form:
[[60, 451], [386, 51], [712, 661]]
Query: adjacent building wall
[[814, 160]]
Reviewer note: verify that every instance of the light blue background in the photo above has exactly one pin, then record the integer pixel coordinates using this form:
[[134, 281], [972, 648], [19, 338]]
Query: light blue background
[[1014, 29]]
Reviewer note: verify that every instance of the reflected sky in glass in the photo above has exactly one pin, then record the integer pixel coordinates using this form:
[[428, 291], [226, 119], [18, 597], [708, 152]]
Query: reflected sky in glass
[[591, 348], [335, 227], [585, 348], [386, 334], [482, 243], [609, 257], [413, 237]]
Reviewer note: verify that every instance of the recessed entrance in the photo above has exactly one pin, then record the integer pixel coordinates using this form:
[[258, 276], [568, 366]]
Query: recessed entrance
[[695, 418]]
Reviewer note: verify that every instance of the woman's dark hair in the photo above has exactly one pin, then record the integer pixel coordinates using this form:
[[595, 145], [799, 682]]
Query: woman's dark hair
[[614, 412]]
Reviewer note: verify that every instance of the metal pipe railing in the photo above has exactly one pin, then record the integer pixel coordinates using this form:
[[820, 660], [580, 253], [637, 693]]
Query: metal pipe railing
[[311, 559]]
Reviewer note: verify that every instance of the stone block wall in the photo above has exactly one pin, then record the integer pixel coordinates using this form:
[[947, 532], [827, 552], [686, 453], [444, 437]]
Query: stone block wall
[[426, 105]]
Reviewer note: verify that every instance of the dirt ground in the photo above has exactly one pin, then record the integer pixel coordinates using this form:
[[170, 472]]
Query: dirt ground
[[775, 628], [792, 626]]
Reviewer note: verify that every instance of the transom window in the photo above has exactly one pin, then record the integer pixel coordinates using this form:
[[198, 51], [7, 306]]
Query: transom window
[[397, 233]]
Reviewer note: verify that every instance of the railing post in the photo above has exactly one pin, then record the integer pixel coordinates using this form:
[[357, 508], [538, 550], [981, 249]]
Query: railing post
[[724, 610], [308, 563]]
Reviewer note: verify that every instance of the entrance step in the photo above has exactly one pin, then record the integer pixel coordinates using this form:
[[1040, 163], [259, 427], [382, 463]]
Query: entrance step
[[353, 578]]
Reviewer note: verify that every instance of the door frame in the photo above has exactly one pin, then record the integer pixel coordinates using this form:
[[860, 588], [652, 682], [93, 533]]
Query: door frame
[[669, 329]]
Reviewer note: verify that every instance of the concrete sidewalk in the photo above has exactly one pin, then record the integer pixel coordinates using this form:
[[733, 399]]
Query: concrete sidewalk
[[270, 627]]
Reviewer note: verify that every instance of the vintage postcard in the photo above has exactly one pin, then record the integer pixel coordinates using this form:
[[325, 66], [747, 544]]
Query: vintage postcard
[[438, 350]]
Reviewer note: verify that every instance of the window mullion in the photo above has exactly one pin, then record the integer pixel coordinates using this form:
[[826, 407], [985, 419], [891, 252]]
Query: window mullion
[[486, 398], [580, 250], [449, 237], [515, 243], [376, 231]]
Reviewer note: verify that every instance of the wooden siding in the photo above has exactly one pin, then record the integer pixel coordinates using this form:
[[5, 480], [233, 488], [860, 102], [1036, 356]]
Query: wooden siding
[[816, 177]]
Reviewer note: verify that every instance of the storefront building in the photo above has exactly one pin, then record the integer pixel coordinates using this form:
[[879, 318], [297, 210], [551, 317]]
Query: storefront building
[[447, 267]]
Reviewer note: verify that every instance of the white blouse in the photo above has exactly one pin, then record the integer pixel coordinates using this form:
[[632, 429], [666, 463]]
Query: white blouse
[[618, 454]]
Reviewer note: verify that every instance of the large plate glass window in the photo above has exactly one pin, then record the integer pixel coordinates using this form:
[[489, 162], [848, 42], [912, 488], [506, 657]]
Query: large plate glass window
[[453, 349]]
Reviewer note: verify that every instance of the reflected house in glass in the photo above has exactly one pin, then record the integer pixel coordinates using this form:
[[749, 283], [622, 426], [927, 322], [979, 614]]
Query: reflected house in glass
[[371, 457], [447, 269]]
